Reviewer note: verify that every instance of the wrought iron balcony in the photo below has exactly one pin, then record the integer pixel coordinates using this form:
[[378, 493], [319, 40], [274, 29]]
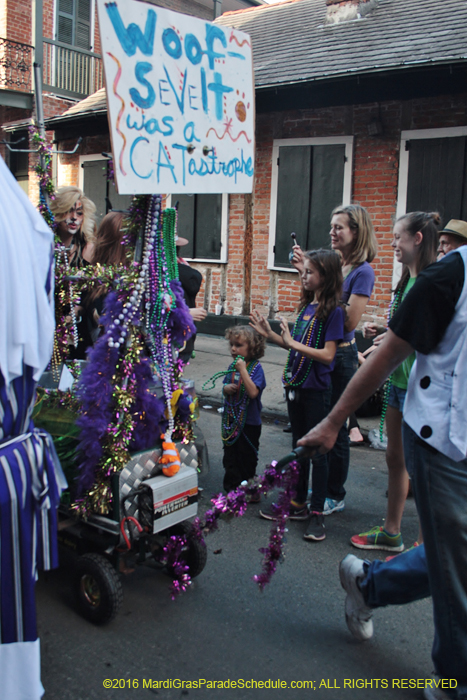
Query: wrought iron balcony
[[70, 71], [15, 65]]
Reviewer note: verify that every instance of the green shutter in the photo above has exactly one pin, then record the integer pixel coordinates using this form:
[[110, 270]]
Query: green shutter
[[310, 185], [326, 193], [208, 222], [65, 21], [436, 177], [293, 200], [200, 221], [185, 221], [74, 23], [83, 25], [95, 187]]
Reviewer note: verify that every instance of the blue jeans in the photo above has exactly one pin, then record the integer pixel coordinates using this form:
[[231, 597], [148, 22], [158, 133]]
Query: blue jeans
[[402, 580], [440, 490], [338, 458], [396, 398], [307, 410]]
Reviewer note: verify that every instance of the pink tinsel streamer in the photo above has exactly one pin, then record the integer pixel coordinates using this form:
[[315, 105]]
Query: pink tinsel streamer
[[235, 504]]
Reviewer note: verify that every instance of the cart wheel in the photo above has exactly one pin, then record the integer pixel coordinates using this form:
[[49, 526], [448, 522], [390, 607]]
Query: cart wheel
[[98, 589], [195, 553]]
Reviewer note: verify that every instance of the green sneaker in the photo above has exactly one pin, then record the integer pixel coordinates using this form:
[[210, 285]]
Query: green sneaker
[[378, 538]]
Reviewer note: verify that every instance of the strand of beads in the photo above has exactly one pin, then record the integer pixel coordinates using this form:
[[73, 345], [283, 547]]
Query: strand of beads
[[218, 375], [118, 329], [392, 308], [161, 301], [169, 228], [235, 409], [296, 380]]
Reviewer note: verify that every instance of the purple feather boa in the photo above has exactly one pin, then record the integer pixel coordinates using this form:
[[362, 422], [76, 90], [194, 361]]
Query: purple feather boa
[[180, 323], [95, 393], [148, 410]]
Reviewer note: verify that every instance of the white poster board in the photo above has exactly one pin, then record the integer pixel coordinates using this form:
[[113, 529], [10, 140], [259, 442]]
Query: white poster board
[[180, 95]]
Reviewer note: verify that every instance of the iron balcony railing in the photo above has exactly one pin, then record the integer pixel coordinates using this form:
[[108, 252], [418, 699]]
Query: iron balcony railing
[[70, 71], [15, 65]]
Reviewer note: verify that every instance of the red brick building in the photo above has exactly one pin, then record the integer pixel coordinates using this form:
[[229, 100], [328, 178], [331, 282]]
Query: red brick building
[[356, 100], [62, 36]]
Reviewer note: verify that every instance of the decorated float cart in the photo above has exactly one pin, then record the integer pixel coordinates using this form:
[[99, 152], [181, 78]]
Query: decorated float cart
[[123, 422]]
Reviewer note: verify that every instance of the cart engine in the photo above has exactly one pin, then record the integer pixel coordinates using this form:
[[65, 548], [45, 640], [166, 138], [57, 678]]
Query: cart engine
[[163, 502]]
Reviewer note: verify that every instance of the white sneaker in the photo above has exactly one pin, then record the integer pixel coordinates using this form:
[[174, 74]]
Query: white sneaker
[[357, 613], [435, 694], [331, 505]]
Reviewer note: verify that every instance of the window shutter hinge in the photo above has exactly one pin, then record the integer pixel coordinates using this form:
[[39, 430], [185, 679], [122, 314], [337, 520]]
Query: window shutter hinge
[[278, 162], [407, 145], [274, 249], [345, 159]]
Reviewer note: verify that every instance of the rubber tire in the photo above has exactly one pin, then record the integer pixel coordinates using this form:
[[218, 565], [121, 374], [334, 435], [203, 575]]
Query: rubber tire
[[98, 589], [195, 556]]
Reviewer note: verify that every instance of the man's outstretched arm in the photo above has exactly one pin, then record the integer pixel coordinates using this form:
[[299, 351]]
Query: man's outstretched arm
[[381, 363]]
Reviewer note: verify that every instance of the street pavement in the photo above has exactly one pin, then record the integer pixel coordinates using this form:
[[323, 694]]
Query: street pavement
[[223, 628]]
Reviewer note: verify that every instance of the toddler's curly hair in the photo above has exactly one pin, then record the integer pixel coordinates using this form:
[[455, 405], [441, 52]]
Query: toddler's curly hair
[[256, 342]]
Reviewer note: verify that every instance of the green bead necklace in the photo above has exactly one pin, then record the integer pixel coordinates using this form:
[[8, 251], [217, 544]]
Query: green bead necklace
[[288, 380], [218, 375], [235, 409]]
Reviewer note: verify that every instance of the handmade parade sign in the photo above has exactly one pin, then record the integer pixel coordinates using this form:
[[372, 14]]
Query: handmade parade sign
[[180, 96]]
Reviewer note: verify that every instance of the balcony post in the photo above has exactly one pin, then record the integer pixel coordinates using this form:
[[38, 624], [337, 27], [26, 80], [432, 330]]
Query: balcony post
[[38, 32]]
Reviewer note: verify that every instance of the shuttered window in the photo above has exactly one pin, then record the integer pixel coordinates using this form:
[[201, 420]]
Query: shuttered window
[[310, 178], [96, 187], [202, 221], [74, 23], [437, 176]]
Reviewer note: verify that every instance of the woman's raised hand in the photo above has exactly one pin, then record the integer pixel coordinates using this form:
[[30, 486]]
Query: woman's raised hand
[[298, 259], [260, 324], [285, 332]]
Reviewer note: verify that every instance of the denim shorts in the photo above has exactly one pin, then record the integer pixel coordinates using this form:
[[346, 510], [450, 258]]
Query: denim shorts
[[396, 398]]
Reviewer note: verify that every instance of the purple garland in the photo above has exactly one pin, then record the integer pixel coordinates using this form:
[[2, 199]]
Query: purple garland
[[95, 393], [234, 504]]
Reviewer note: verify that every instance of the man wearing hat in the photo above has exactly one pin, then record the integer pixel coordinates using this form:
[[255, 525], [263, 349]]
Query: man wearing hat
[[452, 237]]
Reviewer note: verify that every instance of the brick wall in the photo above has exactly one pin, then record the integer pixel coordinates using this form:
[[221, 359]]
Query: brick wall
[[15, 21], [375, 181]]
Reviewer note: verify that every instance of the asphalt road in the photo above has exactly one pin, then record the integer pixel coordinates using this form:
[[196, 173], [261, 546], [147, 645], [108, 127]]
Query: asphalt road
[[224, 629]]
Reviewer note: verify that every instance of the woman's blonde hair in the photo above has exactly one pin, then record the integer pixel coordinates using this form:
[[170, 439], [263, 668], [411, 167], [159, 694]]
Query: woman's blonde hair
[[365, 247], [65, 199]]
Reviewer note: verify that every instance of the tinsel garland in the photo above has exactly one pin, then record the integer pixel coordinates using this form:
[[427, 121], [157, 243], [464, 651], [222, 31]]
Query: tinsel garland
[[119, 408], [43, 170], [234, 504]]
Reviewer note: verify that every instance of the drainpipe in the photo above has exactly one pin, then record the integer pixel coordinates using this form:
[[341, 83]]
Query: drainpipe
[[38, 32], [217, 8]]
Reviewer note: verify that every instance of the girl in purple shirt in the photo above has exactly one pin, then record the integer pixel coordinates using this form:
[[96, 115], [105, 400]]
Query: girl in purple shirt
[[352, 235], [312, 347]]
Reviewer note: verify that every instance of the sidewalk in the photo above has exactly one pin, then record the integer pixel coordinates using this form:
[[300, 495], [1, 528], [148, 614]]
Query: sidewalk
[[213, 355]]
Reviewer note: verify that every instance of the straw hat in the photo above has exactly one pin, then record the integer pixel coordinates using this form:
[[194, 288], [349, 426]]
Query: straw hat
[[456, 227]]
